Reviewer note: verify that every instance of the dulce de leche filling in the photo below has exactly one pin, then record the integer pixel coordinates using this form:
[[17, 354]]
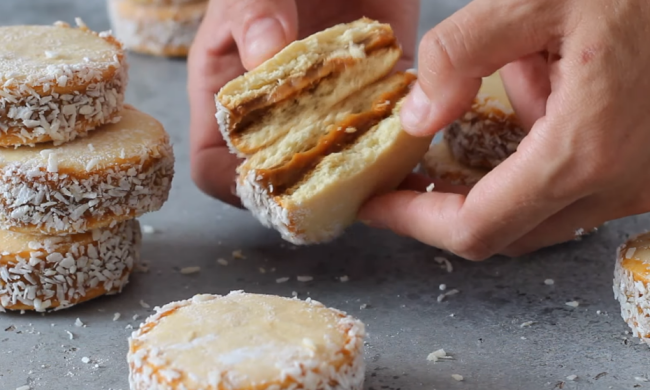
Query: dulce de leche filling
[[343, 134], [381, 39]]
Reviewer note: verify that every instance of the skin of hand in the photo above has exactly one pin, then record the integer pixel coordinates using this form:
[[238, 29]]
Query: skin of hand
[[238, 35], [577, 74]]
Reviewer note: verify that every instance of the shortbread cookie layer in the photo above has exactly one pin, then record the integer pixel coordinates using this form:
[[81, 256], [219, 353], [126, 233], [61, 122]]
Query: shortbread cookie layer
[[163, 30], [248, 342], [439, 163], [58, 82], [44, 272], [116, 173], [489, 133], [632, 285]]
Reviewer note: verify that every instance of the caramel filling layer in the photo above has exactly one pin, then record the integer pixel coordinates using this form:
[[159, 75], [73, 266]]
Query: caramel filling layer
[[345, 133], [315, 74]]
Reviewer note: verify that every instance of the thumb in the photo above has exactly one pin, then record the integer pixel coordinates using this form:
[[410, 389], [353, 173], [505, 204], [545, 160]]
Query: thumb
[[261, 28], [473, 43]]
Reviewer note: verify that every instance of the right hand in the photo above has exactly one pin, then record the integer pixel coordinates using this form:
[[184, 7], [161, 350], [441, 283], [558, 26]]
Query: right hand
[[238, 35]]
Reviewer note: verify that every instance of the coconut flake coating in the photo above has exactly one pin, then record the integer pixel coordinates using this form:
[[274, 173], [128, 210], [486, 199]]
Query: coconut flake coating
[[248, 342], [117, 173], [632, 285], [163, 30], [58, 82], [43, 272]]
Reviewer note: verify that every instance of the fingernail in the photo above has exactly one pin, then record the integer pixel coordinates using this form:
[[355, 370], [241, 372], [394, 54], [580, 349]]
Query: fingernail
[[264, 38], [416, 111]]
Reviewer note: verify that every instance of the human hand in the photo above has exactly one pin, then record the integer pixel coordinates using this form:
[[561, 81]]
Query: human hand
[[577, 76], [238, 35]]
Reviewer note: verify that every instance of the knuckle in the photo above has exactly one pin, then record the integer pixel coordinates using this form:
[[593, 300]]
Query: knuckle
[[471, 245], [443, 47]]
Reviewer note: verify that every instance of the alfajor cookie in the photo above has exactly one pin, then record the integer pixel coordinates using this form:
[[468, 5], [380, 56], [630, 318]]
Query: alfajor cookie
[[489, 132], [164, 30], [58, 82], [43, 272], [632, 285], [248, 342], [439, 163], [114, 174]]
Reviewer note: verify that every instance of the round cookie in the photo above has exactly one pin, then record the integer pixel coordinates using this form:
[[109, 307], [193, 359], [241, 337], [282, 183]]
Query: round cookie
[[632, 285], [116, 173], [439, 163], [44, 272], [165, 30], [58, 82], [248, 342], [489, 132]]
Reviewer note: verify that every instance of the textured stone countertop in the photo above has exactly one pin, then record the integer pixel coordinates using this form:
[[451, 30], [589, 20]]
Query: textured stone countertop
[[396, 278]]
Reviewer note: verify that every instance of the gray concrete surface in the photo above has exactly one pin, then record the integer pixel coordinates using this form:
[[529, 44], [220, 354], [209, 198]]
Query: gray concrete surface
[[397, 278]]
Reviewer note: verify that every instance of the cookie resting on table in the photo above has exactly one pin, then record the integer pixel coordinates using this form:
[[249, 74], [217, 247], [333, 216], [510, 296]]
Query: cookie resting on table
[[248, 342]]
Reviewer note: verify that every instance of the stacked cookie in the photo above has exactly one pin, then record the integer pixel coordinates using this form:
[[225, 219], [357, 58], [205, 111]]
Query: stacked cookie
[[76, 168], [157, 27]]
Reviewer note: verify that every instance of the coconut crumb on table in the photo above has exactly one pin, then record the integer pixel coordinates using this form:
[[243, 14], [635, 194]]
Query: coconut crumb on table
[[281, 280], [446, 264], [237, 254], [526, 324], [116, 316], [70, 335], [641, 379], [571, 378], [85, 360], [437, 355], [449, 293], [442, 287], [190, 270], [222, 262], [363, 306], [573, 304], [549, 282], [305, 278], [457, 377], [144, 304], [148, 229], [78, 323], [135, 317], [26, 387], [344, 279], [262, 270]]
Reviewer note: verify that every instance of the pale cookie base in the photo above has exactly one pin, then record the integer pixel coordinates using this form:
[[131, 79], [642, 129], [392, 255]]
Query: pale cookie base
[[54, 91], [248, 342], [439, 163], [43, 272], [163, 30], [632, 285], [114, 174], [486, 135]]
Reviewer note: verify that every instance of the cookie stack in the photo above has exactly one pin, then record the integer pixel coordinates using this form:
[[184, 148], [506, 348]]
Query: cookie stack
[[77, 166], [157, 27]]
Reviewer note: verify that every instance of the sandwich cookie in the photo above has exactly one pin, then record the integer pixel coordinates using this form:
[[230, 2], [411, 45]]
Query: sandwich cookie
[[439, 163], [248, 342], [58, 82], [489, 132], [632, 285], [319, 127], [162, 29], [44, 272], [116, 173]]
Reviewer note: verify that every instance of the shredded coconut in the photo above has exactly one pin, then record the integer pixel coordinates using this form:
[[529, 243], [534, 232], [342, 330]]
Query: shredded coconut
[[573, 304], [190, 270]]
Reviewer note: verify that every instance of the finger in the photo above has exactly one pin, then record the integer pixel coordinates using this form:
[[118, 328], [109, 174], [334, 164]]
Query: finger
[[528, 86], [261, 28], [507, 203], [469, 45], [213, 61]]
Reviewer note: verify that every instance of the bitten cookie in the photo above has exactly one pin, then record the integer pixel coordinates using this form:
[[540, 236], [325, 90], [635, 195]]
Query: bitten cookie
[[116, 173], [58, 82], [43, 272], [632, 285], [248, 342], [162, 30], [489, 133], [439, 163]]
